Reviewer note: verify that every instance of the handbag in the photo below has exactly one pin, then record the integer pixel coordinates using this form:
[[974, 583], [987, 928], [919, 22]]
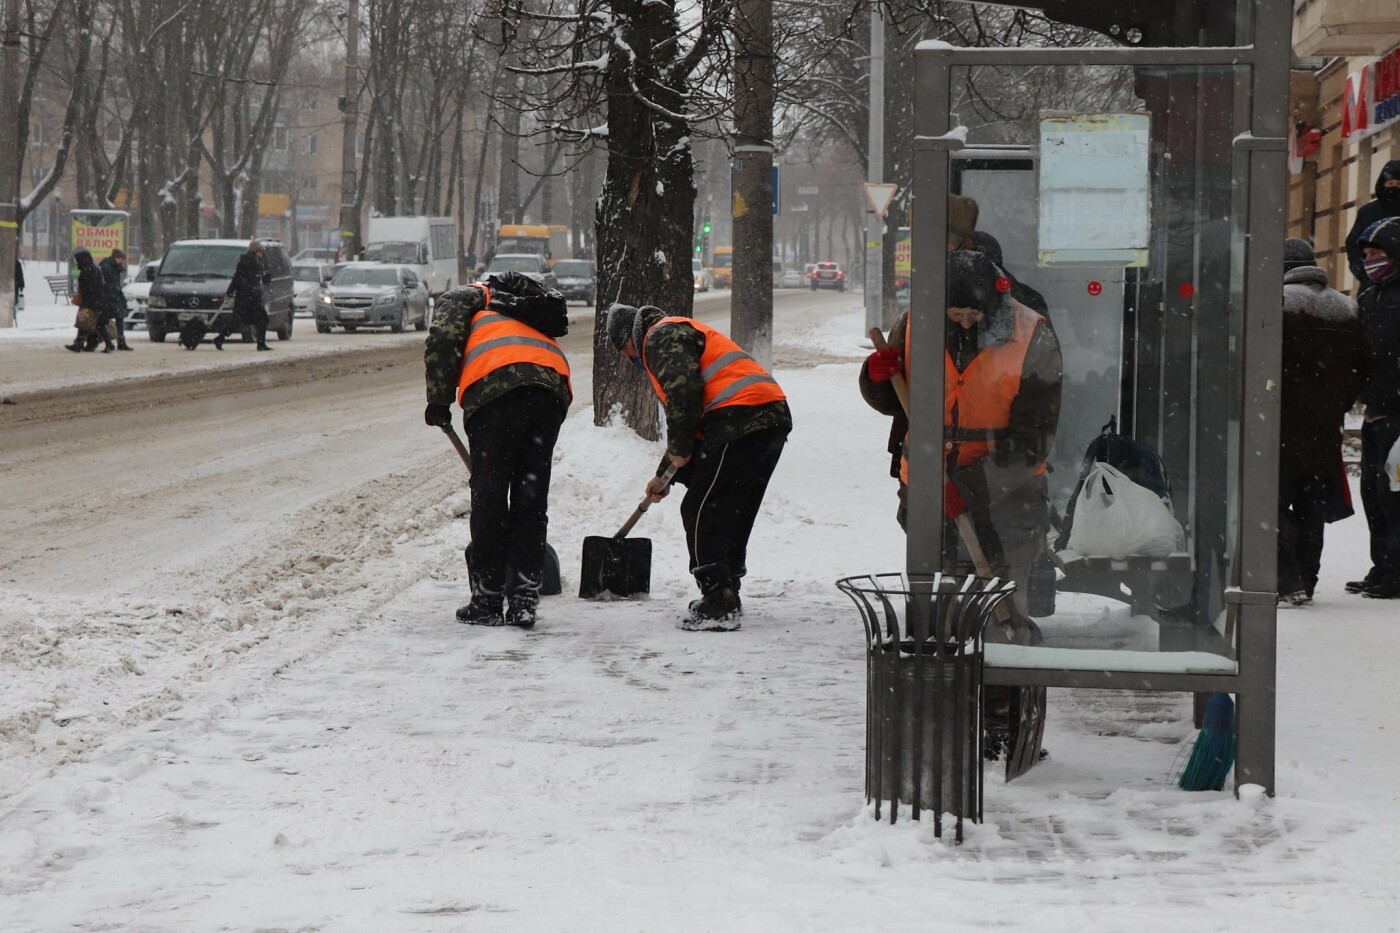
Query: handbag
[[86, 322]]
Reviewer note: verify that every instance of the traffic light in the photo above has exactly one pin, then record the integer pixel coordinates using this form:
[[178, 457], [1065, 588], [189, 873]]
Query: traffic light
[[706, 228]]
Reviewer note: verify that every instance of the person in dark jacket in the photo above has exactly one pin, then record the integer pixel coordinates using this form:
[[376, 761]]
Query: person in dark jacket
[[113, 270], [492, 350], [246, 290], [726, 423], [1326, 362], [1380, 316], [93, 289], [1386, 204], [19, 287]]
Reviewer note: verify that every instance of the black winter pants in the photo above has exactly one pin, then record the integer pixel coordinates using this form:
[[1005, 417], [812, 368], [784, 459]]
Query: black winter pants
[[512, 452], [725, 484], [1382, 506], [1302, 512]]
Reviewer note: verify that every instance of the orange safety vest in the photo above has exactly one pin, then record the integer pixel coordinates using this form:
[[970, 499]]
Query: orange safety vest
[[731, 376], [496, 341], [982, 394]]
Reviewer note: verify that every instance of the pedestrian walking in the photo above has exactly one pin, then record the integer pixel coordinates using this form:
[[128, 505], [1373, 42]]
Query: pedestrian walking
[[1326, 362], [726, 423], [246, 290], [1386, 204], [19, 289], [1380, 316], [493, 349], [113, 270], [92, 292]]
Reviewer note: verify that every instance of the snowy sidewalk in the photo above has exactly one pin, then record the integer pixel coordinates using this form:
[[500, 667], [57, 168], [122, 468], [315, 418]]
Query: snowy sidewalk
[[389, 769]]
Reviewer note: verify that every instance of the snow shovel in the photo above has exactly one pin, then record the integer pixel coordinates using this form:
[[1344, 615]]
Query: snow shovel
[[550, 583], [619, 567]]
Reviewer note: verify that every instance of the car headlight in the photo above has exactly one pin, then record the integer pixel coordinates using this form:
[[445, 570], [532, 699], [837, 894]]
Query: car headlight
[[326, 300], [156, 301], [388, 299]]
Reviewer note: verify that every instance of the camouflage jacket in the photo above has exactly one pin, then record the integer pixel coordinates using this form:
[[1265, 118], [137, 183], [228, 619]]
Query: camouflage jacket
[[446, 348], [672, 355]]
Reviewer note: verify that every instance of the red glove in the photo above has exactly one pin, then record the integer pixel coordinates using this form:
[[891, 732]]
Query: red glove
[[953, 504], [884, 365]]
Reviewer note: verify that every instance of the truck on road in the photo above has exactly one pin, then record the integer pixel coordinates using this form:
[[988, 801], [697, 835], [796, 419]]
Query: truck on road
[[551, 242]]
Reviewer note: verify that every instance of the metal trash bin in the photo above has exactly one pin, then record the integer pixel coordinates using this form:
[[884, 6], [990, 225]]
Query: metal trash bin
[[923, 721]]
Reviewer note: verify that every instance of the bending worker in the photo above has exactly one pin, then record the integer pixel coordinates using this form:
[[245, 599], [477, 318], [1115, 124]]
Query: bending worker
[[1001, 381], [493, 349], [726, 423]]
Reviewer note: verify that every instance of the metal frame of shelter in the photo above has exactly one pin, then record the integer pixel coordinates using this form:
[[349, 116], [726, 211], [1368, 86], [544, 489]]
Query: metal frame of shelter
[[1266, 50]]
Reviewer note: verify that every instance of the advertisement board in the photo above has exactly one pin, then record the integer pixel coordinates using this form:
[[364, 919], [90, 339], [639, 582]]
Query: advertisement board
[[98, 232], [1371, 99]]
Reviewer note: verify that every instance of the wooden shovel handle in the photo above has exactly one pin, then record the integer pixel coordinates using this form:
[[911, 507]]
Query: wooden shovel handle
[[963, 521], [461, 448], [646, 503]]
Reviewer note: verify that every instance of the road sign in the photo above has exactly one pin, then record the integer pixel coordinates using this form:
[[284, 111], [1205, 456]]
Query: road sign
[[880, 195]]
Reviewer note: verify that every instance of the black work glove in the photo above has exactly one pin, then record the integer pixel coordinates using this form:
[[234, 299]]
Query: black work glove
[[437, 416]]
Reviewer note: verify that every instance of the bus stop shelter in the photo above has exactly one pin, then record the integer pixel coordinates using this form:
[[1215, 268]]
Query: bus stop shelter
[[1153, 169]]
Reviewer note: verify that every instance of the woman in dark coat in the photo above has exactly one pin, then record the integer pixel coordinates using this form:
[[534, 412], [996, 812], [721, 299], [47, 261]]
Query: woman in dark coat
[[246, 289], [93, 289], [1326, 362]]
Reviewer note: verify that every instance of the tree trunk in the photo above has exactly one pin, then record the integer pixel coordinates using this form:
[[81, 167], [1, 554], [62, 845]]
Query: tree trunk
[[751, 317], [644, 214]]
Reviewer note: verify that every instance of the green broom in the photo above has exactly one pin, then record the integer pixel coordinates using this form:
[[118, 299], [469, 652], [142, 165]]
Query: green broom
[[1213, 755]]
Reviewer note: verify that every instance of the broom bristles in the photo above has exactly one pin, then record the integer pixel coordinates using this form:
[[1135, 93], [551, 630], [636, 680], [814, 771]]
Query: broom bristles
[[1213, 755]]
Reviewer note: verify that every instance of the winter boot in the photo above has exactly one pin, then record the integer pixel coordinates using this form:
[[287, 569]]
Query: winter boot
[[110, 348], [76, 346], [718, 608], [1387, 587], [524, 609], [1372, 577], [262, 339], [123, 345], [218, 341], [484, 609]]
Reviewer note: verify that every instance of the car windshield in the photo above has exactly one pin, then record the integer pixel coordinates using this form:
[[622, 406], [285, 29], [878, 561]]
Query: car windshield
[[306, 273], [575, 268], [198, 259], [394, 251], [382, 278], [514, 264], [723, 260]]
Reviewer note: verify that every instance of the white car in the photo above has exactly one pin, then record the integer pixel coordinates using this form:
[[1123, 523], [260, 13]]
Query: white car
[[530, 265], [791, 278], [308, 283], [138, 292], [704, 278]]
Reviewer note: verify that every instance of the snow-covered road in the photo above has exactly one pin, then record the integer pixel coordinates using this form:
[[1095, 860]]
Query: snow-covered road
[[261, 715]]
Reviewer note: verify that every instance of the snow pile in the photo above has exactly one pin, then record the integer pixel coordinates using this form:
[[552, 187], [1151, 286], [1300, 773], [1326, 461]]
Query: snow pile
[[310, 740]]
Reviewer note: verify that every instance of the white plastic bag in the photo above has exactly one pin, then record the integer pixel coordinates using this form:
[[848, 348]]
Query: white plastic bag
[[1392, 466], [1115, 517]]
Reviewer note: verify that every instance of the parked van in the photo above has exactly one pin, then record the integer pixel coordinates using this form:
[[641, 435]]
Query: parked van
[[194, 278], [428, 244]]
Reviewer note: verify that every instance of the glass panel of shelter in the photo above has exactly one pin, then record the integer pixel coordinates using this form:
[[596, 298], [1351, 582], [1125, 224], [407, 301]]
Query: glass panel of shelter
[[1116, 199]]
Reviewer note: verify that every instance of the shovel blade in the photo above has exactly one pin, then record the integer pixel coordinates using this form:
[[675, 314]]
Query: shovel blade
[[615, 568]]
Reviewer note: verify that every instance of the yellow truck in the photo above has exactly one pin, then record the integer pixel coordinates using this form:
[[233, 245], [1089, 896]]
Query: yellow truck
[[549, 241], [724, 267]]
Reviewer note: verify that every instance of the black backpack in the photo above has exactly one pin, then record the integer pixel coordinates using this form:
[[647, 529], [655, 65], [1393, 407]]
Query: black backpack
[[1136, 460]]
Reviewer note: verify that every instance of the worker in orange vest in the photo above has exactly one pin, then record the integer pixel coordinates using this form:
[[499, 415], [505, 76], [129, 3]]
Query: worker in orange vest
[[726, 423], [492, 349], [1001, 406]]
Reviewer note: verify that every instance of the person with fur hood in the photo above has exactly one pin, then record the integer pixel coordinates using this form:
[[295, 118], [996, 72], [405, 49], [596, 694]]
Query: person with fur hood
[[1386, 204], [1380, 316], [1326, 362]]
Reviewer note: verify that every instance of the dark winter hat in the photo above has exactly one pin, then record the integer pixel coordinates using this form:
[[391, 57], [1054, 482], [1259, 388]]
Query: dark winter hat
[[986, 244], [620, 321], [1391, 172], [1383, 235], [1297, 253], [972, 282]]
